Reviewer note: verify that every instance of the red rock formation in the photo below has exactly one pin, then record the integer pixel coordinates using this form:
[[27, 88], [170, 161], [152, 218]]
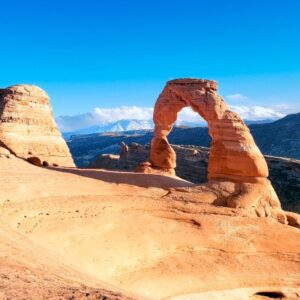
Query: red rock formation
[[234, 156], [27, 126]]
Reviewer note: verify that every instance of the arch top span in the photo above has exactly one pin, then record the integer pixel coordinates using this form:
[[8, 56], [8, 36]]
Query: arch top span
[[204, 83]]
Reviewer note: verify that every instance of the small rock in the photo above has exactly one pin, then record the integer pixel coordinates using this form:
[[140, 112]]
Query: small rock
[[45, 164], [35, 161]]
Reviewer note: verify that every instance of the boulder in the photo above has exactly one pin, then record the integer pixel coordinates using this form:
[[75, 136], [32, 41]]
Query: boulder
[[35, 161], [27, 126]]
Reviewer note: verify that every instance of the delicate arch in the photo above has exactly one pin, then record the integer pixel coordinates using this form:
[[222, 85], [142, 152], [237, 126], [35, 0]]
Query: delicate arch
[[233, 155]]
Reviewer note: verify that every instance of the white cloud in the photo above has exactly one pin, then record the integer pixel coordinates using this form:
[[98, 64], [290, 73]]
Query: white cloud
[[103, 116], [100, 116], [256, 112], [246, 112], [123, 113], [188, 115], [236, 97]]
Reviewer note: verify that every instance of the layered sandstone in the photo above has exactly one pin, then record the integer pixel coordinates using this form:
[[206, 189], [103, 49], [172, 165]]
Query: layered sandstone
[[27, 126], [234, 156]]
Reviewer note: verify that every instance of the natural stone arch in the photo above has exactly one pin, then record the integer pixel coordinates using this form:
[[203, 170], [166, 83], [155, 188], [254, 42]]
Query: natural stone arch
[[237, 170], [233, 154]]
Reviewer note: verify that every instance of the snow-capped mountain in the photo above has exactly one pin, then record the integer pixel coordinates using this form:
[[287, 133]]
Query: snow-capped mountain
[[122, 125]]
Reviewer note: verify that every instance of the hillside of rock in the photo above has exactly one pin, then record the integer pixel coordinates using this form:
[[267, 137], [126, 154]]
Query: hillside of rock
[[27, 126], [279, 138]]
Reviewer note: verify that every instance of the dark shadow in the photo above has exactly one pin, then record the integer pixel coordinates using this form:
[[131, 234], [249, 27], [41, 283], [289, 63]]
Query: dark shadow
[[271, 295], [131, 178], [3, 145]]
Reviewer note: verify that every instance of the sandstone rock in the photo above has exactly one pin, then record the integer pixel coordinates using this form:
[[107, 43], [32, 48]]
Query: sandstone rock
[[45, 164], [35, 161], [123, 150], [27, 126], [106, 161], [234, 156], [233, 153]]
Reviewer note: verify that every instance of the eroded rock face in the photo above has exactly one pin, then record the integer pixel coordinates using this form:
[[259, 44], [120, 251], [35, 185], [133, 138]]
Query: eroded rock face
[[234, 153], [234, 156], [27, 126]]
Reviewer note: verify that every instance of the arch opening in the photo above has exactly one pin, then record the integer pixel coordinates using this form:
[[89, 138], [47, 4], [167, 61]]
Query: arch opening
[[190, 140]]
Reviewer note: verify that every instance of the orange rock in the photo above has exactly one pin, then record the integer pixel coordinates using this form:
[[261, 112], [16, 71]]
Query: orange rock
[[35, 161], [234, 156], [233, 153], [27, 126]]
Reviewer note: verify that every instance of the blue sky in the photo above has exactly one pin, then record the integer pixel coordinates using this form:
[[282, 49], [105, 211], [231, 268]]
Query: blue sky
[[107, 54]]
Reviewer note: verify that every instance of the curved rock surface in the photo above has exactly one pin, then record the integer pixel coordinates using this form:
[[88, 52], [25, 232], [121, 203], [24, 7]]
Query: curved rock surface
[[27, 126], [234, 156], [86, 232]]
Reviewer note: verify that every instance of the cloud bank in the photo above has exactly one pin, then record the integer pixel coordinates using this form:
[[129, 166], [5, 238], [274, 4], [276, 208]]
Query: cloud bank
[[101, 116]]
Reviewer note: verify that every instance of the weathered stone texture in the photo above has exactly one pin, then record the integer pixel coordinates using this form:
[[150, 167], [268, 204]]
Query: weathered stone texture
[[27, 126], [234, 156]]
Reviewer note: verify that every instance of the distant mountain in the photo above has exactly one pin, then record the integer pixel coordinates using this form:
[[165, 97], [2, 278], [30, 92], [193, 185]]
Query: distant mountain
[[279, 138], [119, 126], [265, 121]]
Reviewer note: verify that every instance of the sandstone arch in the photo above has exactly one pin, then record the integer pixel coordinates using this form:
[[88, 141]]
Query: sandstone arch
[[233, 154], [237, 170]]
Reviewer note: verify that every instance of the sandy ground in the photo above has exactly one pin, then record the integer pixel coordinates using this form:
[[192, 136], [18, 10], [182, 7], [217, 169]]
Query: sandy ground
[[89, 234]]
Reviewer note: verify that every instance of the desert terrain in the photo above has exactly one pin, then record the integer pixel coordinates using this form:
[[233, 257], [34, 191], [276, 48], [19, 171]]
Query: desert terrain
[[69, 233]]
